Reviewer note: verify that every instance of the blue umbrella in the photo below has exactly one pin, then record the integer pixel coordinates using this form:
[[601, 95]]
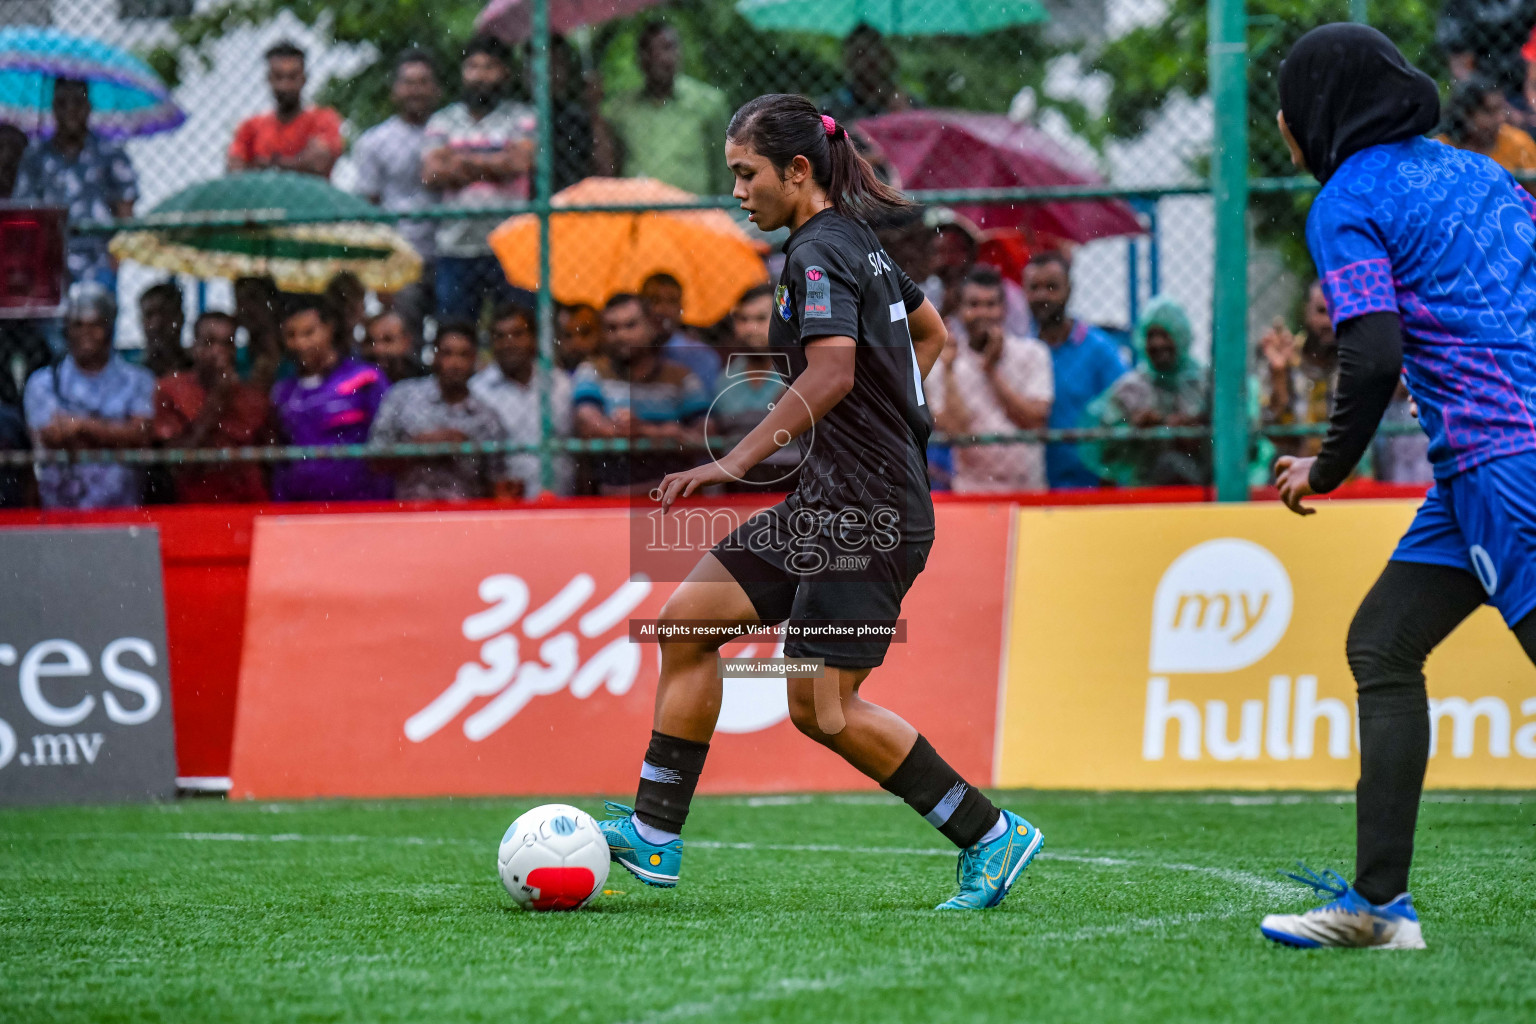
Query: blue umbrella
[[127, 98]]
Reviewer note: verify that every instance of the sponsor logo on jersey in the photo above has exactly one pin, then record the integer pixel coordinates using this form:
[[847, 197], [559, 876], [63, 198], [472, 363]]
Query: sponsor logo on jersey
[[781, 302], [818, 294]]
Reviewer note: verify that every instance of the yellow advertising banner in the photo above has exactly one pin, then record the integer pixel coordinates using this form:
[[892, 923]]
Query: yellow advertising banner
[[1203, 647]]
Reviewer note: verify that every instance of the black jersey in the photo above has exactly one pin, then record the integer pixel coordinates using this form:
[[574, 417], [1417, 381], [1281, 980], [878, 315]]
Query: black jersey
[[866, 461]]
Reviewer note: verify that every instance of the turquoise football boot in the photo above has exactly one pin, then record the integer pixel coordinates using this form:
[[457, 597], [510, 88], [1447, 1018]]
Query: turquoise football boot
[[987, 870], [653, 865]]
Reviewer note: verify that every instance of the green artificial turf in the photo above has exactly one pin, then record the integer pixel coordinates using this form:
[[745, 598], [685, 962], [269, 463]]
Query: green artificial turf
[[1142, 907]]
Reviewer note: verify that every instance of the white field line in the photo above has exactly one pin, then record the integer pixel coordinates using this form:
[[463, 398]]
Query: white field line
[[1258, 883], [722, 1007], [873, 799], [1264, 799], [798, 799], [1245, 879], [1140, 924], [1216, 799], [731, 1005], [248, 837], [874, 851], [1290, 799], [295, 837]]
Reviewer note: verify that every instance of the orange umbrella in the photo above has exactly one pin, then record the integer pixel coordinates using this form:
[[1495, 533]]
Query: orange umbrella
[[597, 255]]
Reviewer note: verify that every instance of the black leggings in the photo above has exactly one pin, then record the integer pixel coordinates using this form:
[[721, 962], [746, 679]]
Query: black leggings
[[1408, 612]]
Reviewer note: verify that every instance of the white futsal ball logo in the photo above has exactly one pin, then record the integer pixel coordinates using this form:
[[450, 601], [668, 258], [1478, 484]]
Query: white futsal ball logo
[[553, 858]]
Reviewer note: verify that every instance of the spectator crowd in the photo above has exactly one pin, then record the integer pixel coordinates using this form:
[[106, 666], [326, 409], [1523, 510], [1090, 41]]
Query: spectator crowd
[[452, 358]]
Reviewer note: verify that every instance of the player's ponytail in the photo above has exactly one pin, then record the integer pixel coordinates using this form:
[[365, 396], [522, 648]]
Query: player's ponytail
[[782, 126], [854, 189]]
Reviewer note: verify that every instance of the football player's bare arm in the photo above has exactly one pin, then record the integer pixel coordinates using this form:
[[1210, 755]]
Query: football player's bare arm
[[928, 335], [827, 377]]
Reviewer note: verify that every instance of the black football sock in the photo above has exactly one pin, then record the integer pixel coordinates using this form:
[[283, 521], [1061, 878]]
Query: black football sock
[[936, 791], [668, 777], [1407, 613]]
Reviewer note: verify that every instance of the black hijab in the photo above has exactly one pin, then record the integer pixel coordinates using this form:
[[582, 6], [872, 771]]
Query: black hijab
[[1344, 87]]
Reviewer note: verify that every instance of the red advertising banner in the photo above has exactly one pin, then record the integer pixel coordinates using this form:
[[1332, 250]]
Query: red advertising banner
[[488, 653]]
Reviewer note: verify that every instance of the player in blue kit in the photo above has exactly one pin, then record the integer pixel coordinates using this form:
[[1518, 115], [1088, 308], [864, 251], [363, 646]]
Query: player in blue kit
[[1428, 258]]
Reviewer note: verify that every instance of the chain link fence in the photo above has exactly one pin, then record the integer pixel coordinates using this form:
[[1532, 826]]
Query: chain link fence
[[1087, 124]]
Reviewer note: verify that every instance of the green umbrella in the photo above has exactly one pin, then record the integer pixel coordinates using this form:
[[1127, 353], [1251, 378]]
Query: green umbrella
[[300, 257], [893, 17]]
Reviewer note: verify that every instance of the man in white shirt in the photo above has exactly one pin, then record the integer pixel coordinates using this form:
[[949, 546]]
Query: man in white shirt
[[992, 383], [510, 386]]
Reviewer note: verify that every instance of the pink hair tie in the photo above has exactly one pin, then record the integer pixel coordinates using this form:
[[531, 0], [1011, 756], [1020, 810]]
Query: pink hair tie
[[829, 124]]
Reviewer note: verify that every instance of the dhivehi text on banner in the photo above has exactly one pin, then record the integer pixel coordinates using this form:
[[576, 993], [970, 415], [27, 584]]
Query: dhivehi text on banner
[[425, 654]]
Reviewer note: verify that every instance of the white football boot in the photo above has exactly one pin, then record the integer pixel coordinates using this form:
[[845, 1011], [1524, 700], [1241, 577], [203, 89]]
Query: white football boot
[[1349, 920]]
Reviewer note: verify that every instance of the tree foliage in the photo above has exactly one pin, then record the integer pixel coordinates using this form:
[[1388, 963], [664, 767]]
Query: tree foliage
[[1154, 62], [1146, 66], [719, 46], [440, 27], [1150, 63]]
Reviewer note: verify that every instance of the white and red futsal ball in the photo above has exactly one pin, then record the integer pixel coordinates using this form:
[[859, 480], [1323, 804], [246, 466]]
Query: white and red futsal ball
[[553, 858]]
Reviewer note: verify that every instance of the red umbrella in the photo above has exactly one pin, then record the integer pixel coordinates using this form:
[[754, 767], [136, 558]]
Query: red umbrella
[[942, 149], [511, 20]]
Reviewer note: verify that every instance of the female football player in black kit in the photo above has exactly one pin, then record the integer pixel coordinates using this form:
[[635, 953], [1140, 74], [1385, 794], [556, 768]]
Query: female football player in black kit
[[855, 534]]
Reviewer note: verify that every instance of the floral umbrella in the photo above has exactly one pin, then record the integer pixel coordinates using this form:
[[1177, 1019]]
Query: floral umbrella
[[300, 257]]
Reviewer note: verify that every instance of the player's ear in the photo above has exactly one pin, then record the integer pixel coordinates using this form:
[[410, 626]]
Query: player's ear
[[799, 170]]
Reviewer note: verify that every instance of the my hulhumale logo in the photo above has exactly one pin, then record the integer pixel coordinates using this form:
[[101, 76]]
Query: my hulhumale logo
[[1220, 607]]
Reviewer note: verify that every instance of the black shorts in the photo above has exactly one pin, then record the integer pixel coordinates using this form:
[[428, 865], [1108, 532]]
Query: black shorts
[[819, 578]]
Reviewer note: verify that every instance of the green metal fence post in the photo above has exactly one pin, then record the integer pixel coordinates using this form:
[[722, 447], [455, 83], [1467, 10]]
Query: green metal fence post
[[542, 180], [1227, 56], [1358, 11]]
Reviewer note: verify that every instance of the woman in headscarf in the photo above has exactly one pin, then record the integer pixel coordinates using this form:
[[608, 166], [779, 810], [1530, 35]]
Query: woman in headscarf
[[1428, 261], [1168, 387]]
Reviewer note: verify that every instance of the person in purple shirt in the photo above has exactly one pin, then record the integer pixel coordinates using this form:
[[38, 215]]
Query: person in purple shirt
[[333, 400]]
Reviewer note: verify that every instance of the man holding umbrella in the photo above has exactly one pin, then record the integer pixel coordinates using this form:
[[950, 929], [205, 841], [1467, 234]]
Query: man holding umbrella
[[13, 143], [83, 172]]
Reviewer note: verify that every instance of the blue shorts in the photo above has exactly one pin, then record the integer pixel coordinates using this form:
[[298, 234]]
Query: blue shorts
[[1483, 521]]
